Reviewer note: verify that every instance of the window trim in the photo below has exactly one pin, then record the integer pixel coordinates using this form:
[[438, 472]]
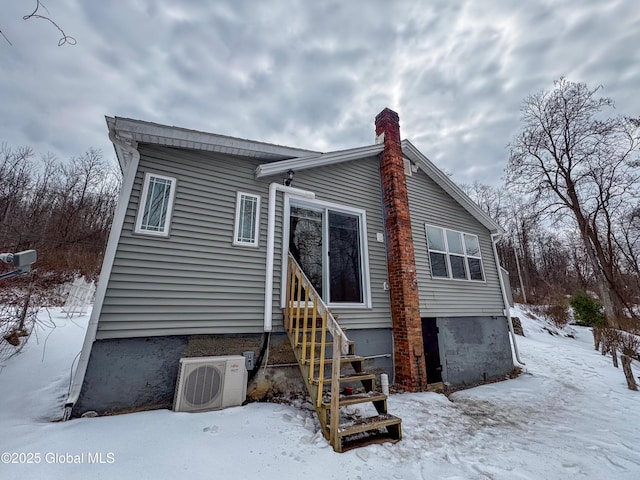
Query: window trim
[[142, 205], [256, 225], [448, 254], [364, 244]]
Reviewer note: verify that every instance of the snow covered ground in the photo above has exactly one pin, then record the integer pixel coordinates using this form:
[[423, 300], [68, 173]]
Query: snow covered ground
[[570, 415]]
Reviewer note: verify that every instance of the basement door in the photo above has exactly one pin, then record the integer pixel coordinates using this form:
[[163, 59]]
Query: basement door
[[431, 350]]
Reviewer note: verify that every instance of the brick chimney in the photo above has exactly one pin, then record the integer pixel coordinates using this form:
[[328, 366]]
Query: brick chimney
[[405, 308]]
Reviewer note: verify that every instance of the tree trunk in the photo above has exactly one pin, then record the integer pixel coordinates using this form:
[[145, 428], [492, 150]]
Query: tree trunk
[[597, 338], [614, 356], [628, 373], [608, 279], [603, 268]]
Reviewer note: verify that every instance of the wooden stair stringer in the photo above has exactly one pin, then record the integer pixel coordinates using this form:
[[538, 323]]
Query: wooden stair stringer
[[312, 388], [312, 330], [385, 427]]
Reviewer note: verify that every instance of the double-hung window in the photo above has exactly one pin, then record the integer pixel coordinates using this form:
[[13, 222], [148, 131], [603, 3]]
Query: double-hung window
[[247, 220], [156, 203], [454, 254]]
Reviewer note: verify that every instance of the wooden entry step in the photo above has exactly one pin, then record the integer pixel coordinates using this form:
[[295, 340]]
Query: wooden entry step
[[366, 431], [355, 399], [356, 377], [343, 359]]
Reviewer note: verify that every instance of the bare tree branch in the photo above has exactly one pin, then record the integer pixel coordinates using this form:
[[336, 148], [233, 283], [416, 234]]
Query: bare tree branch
[[5, 37], [64, 39]]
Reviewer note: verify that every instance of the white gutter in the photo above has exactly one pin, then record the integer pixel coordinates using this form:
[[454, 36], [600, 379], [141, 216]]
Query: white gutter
[[105, 272], [317, 160], [505, 299], [271, 233]]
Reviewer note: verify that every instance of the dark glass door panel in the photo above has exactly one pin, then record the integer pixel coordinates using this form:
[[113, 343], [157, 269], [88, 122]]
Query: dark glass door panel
[[345, 269], [305, 243]]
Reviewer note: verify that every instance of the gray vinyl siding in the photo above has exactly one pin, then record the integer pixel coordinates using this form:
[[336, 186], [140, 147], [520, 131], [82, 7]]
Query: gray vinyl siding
[[195, 281], [430, 204]]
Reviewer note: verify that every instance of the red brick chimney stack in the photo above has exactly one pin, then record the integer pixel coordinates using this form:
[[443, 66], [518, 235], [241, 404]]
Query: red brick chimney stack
[[405, 308]]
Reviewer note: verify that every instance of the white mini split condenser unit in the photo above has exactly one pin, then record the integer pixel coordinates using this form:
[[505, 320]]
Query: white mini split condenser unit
[[210, 383]]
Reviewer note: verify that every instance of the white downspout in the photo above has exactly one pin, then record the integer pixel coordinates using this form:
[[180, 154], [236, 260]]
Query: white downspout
[[271, 233], [505, 299], [105, 272]]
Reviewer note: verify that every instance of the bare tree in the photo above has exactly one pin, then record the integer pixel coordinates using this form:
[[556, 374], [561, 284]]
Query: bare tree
[[577, 164], [489, 198], [62, 209], [627, 239]]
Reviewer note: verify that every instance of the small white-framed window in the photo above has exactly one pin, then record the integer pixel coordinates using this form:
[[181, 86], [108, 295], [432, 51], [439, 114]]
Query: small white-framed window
[[156, 204], [453, 254], [247, 222]]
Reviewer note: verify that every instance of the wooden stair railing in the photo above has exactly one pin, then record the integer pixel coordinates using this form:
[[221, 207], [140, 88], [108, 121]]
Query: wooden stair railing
[[308, 323]]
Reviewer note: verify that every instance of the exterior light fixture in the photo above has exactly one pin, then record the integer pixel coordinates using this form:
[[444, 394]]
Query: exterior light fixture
[[289, 179]]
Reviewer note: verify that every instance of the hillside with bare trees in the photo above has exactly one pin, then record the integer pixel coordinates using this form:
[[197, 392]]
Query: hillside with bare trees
[[61, 209], [571, 204]]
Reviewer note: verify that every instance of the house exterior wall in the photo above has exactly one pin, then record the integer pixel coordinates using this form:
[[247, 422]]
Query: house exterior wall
[[474, 349], [195, 281], [473, 332], [131, 374], [430, 204]]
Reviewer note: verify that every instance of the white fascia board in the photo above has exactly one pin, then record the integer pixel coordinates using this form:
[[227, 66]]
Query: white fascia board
[[438, 176], [122, 155], [148, 132], [313, 161]]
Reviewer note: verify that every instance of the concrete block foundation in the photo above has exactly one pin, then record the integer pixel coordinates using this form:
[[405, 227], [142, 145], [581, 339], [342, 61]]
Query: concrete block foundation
[[474, 349]]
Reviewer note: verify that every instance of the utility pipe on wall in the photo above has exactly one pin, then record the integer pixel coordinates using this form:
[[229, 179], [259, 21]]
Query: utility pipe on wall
[[271, 232], [505, 300]]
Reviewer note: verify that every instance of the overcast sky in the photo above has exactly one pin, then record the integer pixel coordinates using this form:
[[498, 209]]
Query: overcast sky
[[309, 74]]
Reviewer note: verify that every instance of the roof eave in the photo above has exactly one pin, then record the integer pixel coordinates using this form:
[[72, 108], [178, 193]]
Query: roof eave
[[122, 154], [152, 133]]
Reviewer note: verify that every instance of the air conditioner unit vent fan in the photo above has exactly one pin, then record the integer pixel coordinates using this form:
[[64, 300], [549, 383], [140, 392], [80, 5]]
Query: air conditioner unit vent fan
[[210, 383]]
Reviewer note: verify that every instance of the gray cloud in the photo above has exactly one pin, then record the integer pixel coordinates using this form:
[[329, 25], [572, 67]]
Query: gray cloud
[[312, 75]]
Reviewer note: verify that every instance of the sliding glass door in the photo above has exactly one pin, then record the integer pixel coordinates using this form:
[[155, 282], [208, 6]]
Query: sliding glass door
[[328, 246]]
